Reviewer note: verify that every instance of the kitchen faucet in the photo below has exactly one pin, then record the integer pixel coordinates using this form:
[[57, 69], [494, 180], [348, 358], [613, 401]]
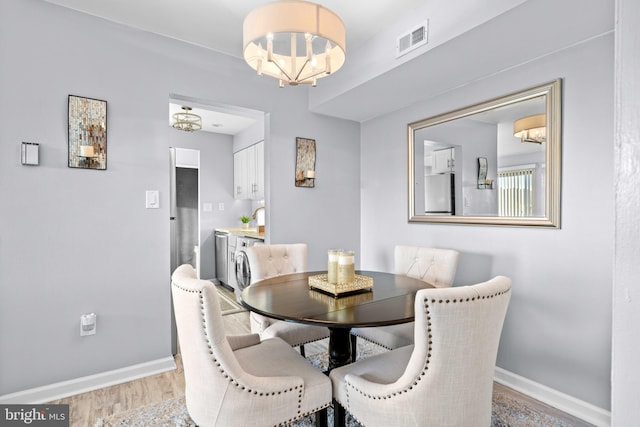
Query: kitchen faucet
[[255, 213]]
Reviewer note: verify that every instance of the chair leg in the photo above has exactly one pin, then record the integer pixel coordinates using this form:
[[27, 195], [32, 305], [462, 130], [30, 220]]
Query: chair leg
[[321, 417], [302, 351], [339, 414], [354, 348]]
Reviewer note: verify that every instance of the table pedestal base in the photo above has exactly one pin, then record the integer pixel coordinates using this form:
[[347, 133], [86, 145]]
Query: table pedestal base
[[339, 347]]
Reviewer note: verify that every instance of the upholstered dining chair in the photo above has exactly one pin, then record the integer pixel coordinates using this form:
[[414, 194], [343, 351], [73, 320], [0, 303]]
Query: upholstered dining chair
[[433, 265], [239, 380], [446, 377], [267, 261]]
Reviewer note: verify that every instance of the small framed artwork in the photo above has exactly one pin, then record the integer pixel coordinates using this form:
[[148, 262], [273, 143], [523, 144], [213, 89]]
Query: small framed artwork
[[87, 133], [483, 182], [305, 162]]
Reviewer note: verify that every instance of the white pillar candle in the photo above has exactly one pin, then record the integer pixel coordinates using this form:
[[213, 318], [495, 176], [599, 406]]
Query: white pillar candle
[[346, 267], [332, 270]]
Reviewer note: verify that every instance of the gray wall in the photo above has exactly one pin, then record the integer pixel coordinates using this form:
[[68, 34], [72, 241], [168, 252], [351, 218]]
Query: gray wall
[[76, 241], [558, 328]]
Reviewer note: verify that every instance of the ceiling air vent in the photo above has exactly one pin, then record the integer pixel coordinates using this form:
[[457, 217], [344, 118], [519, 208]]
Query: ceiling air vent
[[412, 39]]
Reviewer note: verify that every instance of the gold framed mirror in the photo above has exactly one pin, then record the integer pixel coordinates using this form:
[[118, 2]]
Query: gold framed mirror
[[493, 163]]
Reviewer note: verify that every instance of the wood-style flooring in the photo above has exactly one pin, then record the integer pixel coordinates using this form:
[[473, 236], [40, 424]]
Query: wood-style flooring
[[86, 408]]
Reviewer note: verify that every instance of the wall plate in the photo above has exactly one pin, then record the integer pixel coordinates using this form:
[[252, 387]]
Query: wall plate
[[30, 153]]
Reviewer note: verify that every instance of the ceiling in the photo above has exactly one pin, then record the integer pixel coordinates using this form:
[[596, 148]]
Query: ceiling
[[214, 121], [217, 24]]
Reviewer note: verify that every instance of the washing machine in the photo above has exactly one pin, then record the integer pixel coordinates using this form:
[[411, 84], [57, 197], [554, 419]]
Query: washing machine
[[242, 267]]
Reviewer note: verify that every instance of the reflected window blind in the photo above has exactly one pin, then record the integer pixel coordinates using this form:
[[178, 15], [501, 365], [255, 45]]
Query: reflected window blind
[[515, 191]]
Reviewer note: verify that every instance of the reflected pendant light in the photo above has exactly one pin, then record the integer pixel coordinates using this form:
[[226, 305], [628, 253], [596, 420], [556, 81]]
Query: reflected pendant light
[[296, 42], [186, 120], [531, 129]]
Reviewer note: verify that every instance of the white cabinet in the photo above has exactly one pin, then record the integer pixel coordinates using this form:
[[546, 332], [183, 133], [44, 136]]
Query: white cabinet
[[255, 171], [248, 172], [240, 176], [443, 160]]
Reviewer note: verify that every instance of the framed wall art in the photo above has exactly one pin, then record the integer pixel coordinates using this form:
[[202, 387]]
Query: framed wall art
[[87, 133], [305, 162], [482, 174]]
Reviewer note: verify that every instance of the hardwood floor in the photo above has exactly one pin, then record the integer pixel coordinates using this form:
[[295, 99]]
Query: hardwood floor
[[86, 408]]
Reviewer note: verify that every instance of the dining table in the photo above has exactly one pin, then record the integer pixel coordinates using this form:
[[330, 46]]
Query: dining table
[[389, 301]]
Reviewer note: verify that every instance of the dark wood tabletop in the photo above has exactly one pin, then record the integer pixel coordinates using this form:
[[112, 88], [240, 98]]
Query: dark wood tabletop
[[289, 297]]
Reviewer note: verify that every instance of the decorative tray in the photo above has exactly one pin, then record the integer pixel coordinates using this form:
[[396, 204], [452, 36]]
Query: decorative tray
[[345, 300], [360, 283]]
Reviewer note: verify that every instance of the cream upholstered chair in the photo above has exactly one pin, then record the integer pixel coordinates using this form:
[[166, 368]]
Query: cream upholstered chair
[[446, 377], [239, 380], [267, 261], [435, 266]]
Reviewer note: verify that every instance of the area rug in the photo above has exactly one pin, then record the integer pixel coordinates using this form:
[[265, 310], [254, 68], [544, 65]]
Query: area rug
[[228, 305], [507, 410]]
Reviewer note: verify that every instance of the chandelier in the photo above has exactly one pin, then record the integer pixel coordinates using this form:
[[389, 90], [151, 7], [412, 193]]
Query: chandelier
[[187, 121], [294, 41], [531, 129]]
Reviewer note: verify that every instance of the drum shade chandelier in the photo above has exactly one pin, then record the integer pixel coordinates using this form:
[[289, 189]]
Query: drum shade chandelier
[[187, 121], [296, 42], [531, 129]]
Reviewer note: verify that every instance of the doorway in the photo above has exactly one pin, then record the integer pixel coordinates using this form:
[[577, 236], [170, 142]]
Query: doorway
[[184, 217]]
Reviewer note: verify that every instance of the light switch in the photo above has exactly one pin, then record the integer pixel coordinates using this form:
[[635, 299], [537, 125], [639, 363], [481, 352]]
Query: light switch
[[221, 206], [207, 207], [153, 199]]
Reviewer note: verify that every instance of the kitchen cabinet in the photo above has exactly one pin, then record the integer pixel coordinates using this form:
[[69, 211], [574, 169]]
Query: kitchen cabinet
[[248, 172], [443, 160]]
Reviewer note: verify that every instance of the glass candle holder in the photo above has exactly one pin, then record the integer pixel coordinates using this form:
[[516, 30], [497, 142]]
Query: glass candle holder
[[346, 267], [332, 267]]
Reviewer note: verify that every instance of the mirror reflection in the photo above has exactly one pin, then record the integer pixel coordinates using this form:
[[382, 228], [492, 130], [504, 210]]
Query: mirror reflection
[[494, 163]]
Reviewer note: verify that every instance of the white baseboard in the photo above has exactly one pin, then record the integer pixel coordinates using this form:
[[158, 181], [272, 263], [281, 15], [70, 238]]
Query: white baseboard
[[569, 404], [64, 389]]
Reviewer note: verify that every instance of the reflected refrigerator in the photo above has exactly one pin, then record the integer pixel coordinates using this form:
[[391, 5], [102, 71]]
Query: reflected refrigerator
[[439, 194]]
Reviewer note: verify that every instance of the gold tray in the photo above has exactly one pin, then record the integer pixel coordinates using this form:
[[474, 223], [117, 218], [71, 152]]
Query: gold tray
[[342, 301], [320, 282]]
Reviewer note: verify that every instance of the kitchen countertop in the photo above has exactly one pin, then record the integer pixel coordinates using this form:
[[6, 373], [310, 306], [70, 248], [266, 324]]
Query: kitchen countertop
[[243, 232]]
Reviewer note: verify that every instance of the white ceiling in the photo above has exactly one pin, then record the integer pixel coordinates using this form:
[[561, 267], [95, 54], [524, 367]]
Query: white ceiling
[[214, 121], [217, 24]]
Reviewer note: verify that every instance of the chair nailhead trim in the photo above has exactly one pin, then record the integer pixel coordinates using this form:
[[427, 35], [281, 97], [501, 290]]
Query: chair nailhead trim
[[429, 351], [299, 388]]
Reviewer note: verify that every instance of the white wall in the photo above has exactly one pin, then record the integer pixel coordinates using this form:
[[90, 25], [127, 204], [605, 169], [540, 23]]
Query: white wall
[[557, 330], [626, 290], [76, 241]]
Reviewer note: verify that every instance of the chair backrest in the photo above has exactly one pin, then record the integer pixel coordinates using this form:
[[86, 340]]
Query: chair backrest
[[209, 363], [435, 266], [275, 260], [457, 331]]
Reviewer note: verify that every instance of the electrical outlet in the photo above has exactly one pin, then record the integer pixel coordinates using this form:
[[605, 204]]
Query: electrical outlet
[[221, 206], [88, 324]]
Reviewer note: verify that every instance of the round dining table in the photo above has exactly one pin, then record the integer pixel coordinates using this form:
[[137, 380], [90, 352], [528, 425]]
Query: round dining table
[[390, 301]]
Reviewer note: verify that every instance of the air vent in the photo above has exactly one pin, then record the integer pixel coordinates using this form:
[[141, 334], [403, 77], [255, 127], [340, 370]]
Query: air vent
[[413, 39]]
